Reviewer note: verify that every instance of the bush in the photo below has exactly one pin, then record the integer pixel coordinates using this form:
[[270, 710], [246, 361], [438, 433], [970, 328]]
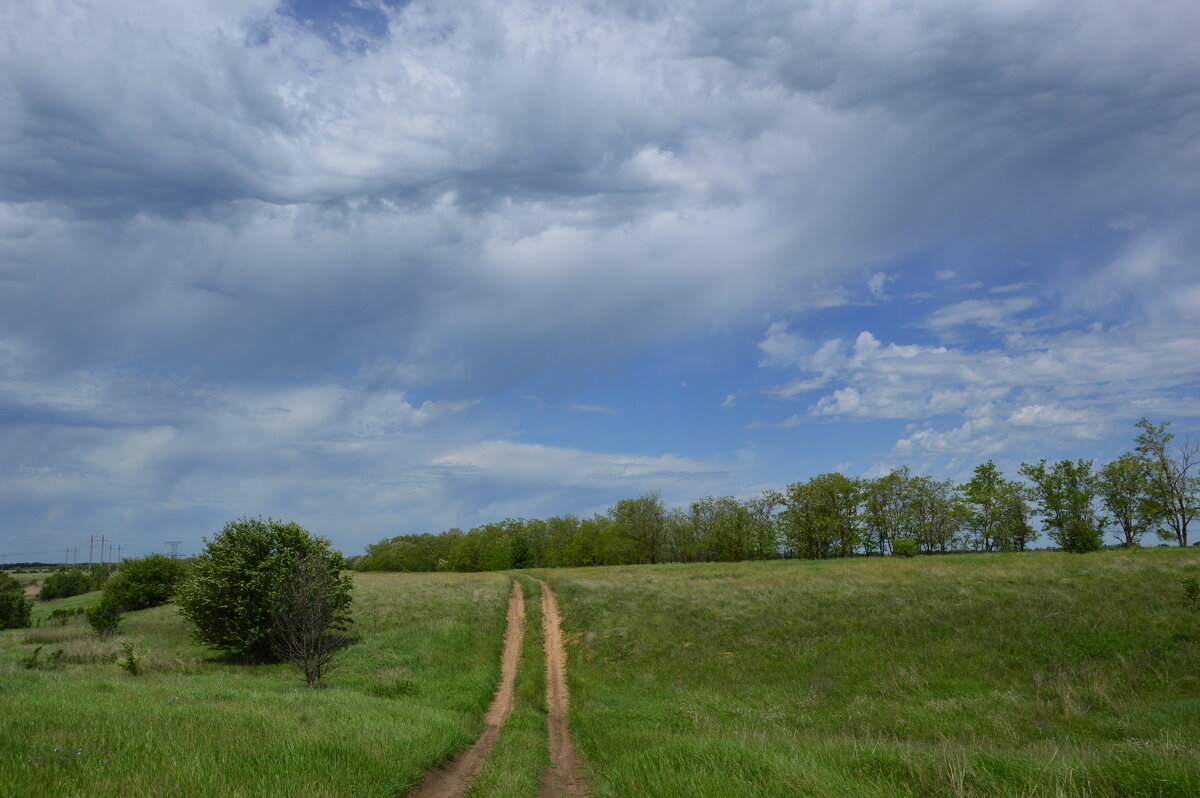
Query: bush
[[105, 616], [1191, 591], [145, 582], [904, 547], [233, 591], [64, 584], [15, 609]]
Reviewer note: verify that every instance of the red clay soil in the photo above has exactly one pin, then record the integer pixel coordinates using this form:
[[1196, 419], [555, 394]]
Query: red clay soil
[[565, 777], [451, 779]]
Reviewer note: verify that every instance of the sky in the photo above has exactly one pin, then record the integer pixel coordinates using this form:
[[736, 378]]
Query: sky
[[384, 268]]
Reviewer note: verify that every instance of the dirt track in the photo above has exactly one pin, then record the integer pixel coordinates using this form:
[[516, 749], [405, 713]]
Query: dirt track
[[565, 777], [452, 778]]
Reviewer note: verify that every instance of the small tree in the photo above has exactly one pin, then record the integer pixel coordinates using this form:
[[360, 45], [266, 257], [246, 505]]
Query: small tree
[[105, 617], [232, 591], [1173, 478], [311, 615]]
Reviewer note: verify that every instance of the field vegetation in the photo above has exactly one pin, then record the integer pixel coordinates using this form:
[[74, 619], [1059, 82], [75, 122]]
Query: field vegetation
[[411, 689], [1036, 674]]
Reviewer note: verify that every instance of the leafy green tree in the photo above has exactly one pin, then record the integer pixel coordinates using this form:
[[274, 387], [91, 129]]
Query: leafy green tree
[[146, 581], [642, 522], [231, 593], [936, 513], [1066, 498], [1124, 487], [820, 517], [1173, 477], [997, 514], [15, 609], [886, 511]]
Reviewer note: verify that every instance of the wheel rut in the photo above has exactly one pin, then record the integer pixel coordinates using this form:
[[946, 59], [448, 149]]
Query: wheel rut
[[452, 778], [565, 777]]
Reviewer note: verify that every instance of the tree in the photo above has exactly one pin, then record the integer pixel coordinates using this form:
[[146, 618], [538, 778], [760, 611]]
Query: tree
[[642, 521], [937, 514], [1174, 484], [820, 517], [1124, 487], [15, 609], [311, 615], [105, 616], [997, 514], [146, 581], [886, 509], [64, 584], [1065, 494], [232, 592]]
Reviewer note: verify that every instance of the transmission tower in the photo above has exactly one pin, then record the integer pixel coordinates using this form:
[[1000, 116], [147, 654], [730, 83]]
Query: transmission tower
[[174, 544]]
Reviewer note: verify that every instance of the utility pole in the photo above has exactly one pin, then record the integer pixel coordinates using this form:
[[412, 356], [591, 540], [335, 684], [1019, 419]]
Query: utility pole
[[174, 544], [118, 557], [102, 549], [90, 539], [67, 557]]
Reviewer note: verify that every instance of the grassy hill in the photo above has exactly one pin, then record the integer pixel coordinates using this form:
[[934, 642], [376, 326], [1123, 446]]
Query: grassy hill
[[983, 675]]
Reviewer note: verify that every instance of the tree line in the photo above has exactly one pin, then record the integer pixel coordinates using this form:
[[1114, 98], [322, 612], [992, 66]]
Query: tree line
[[1153, 489]]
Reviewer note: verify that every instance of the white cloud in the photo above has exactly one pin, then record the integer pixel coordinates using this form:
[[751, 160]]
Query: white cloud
[[729, 401], [877, 284], [989, 313]]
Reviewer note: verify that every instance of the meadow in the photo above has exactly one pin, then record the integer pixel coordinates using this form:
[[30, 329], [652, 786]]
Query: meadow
[[410, 691], [1034, 674]]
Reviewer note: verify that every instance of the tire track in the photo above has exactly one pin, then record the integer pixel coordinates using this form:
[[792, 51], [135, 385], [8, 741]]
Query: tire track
[[565, 777], [452, 778]]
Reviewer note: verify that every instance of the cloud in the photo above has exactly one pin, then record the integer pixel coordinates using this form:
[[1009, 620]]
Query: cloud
[[729, 401], [876, 285], [989, 313], [263, 256]]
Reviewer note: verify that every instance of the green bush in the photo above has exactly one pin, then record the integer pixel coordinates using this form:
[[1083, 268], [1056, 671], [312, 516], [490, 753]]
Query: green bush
[[145, 582], [64, 584], [15, 609], [904, 547], [231, 594], [1191, 591], [105, 616]]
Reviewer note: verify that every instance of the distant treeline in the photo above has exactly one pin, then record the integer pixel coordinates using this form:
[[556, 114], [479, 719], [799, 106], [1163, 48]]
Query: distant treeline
[[1153, 489]]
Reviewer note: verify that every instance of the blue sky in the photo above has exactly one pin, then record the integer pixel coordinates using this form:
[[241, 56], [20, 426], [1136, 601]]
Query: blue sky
[[395, 267]]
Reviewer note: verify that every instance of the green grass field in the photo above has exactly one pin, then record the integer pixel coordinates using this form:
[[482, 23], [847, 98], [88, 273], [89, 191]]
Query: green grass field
[[409, 692], [1039, 674]]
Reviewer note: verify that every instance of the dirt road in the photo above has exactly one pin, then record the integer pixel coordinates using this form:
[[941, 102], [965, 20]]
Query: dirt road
[[452, 778], [565, 777]]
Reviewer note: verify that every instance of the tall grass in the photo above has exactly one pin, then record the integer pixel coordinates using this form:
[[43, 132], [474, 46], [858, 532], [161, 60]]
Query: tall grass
[[411, 690], [986, 675]]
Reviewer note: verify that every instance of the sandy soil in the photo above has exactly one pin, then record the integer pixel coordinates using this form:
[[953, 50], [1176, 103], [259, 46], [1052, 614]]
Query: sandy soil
[[565, 777], [452, 778]]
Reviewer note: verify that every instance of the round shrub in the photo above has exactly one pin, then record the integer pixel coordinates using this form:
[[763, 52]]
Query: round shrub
[[145, 582], [904, 547], [232, 592]]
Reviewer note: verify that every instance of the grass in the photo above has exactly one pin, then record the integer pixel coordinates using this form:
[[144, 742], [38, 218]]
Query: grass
[[514, 766], [410, 691], [985, 675]]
